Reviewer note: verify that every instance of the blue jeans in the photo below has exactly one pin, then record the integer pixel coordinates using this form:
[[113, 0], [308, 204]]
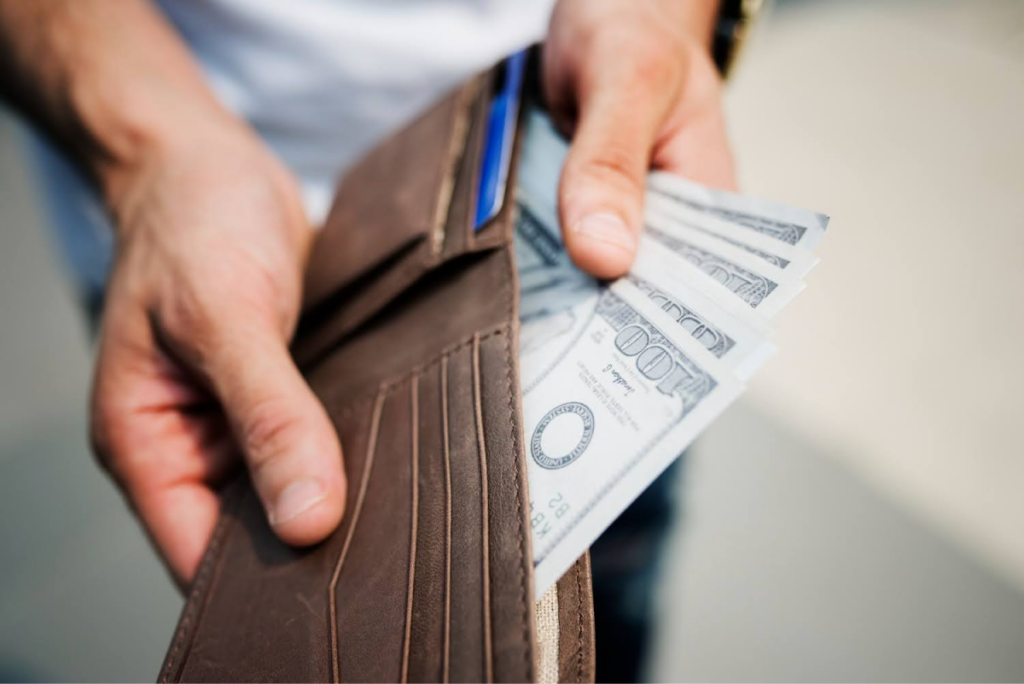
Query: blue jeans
[[626, 562]]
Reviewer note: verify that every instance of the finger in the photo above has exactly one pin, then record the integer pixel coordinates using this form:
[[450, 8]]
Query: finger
[[601, 193], [287, 440], [162, 454], [699, 151], [165, 463], [163, 471], [180, 519]]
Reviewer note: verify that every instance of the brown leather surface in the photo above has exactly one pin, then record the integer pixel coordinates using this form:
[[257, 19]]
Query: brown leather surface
[[576, 656], [401, 232], [413, 165], [410, 342]]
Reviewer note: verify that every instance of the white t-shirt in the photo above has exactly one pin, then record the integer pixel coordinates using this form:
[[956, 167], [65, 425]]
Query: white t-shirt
[[322, 81]]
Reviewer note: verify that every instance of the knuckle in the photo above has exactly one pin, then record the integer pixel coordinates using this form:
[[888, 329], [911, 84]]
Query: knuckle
[[222, 300], [268, 431], [615, 165], [191, 312], [654, 68], [647, 58]]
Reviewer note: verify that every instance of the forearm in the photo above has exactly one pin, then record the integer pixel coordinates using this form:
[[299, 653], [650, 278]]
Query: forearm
[[111, 81]]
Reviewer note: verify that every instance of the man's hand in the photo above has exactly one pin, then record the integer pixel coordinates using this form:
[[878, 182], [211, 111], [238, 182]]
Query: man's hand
[[193, 376], [193, 373], [635, 84]]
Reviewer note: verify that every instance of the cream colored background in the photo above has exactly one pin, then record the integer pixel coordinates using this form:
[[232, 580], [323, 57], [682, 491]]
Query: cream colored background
[[904, 121]]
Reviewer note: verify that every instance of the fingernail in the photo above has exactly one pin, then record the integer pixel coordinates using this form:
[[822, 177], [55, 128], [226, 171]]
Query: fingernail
[[296, 499], [607, 228]]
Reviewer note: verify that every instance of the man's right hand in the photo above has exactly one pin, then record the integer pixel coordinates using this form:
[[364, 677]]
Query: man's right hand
[[193, 372]]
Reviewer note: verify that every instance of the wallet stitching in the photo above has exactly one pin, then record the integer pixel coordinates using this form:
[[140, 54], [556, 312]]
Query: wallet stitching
[[485, 513], [579, 623], [414, 387], [367, 469], [198, 590], [447, 522], [523, 578]]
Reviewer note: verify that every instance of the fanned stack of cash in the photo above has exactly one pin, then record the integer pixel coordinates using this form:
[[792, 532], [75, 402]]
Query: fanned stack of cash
[[619, 378]]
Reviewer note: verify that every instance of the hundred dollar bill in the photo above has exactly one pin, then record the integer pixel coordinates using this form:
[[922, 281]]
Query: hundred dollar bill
[[552, 291], [551, 288], [729, 329], [789, 225], [735, 273], [607, 415], [544, 267], [775, 252]]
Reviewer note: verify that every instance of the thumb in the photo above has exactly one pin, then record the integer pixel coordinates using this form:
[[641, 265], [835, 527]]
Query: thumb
[[603, 180], [288, 442]]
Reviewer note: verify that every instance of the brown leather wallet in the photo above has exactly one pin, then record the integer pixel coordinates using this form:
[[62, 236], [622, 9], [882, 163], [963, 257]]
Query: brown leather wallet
[[409, 338]]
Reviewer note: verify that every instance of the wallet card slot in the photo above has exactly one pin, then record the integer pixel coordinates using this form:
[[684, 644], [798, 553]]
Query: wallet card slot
[[426, 651], [499, 229], [467, 564], [414, 527], [353, 509], [371, 592], [461, 219], [511, 567], [490, 571], [446, 441], [484, 513], [282, 585], [461, 160]]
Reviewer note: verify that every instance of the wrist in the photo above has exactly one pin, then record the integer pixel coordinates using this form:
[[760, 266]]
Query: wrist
[[126, 130], [172, 177]]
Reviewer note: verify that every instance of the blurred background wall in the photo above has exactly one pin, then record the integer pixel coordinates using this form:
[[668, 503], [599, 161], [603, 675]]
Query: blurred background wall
[[859, 514]]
